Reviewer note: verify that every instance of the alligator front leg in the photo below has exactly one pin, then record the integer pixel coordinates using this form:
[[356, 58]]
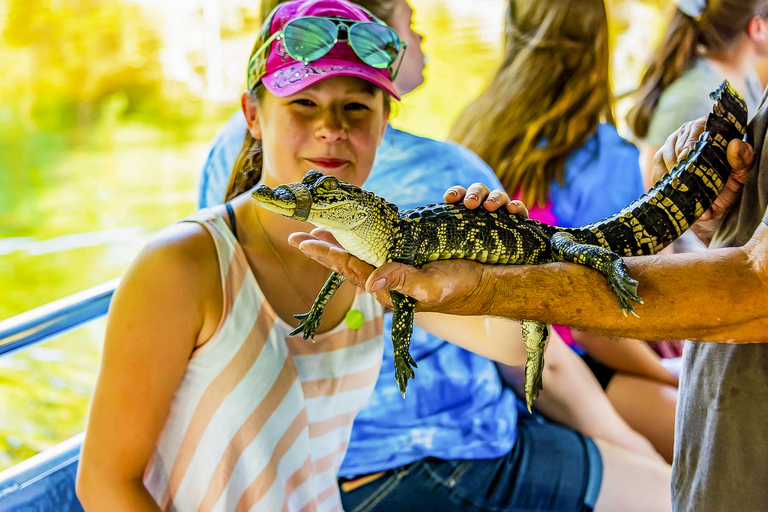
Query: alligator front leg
[[402, 329], [311, 320], [566, 248], [535, 337]]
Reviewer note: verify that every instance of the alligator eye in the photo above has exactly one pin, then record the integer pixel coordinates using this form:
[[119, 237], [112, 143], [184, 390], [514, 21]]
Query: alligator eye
[[328, 183]]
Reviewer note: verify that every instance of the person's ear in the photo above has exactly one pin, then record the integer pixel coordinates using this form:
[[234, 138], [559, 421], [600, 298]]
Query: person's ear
[[250, 108], [757, 30]]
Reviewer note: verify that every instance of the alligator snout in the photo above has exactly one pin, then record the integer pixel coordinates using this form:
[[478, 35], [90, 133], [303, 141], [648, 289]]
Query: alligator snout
[[292, 200]]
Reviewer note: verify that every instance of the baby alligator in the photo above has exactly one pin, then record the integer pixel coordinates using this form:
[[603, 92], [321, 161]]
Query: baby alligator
[[372, 229]]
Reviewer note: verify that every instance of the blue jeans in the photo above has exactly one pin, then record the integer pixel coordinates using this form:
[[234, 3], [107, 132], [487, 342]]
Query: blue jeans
[[550, 468]]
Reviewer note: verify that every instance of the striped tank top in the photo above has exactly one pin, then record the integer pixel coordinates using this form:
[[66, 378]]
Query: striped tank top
[[261, 420]]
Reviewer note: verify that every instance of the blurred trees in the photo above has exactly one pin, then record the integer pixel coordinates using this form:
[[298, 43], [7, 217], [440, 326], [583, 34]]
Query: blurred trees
[[73, 58]]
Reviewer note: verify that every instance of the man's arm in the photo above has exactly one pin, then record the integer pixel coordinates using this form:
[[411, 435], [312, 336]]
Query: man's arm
[[718, 295]]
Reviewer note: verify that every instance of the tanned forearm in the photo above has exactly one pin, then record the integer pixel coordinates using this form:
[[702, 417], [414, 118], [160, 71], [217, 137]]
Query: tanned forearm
[[716, 295]]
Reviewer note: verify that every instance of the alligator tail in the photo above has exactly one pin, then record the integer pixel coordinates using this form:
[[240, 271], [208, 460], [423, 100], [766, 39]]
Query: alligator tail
[[662, 214]]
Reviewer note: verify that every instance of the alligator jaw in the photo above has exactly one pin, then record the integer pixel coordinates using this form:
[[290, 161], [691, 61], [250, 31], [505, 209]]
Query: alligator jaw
[[280, 200]]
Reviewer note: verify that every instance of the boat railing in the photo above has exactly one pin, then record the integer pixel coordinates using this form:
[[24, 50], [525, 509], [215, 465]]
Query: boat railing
[[46, 481]]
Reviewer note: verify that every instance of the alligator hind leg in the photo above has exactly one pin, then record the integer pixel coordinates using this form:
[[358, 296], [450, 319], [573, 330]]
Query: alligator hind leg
[[311, 320], [535, 336], [566, 248], [402, 329]]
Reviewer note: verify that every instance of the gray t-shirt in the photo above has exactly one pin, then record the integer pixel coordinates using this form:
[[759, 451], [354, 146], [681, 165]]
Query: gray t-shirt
[[721, 438], [687, 98]]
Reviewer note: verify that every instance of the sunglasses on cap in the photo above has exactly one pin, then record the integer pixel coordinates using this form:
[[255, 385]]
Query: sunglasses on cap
[[311, 37]]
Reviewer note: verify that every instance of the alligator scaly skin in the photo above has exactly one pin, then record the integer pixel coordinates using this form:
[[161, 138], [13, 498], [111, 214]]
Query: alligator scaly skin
[[451, 231]]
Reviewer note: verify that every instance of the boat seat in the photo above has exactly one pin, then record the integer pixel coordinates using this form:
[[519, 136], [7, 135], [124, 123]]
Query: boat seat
[[44, 482]]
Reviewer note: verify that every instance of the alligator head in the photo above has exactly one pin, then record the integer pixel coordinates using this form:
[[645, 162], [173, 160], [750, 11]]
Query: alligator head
[[362, 222]]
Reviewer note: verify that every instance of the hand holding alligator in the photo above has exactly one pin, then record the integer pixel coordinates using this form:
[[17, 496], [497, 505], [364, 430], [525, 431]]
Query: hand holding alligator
[[379, 233], [436, 286], [740, 158]]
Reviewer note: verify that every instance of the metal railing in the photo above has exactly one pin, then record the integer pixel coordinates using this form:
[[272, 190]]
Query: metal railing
[[55, 318], [46, 481]]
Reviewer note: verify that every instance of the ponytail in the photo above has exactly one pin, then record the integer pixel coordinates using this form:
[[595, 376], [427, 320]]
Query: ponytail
[[671, 59], [247, 170]]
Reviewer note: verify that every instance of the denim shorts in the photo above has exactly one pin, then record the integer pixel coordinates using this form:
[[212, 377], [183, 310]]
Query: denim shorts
[[550, 468]]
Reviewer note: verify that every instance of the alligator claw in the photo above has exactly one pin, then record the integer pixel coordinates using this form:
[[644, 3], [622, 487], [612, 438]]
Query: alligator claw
[[308, 325], [404, 370], [624, 288]]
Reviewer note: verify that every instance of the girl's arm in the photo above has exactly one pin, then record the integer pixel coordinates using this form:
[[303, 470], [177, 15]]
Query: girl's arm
[[498, 339], [625, 355], [572, 397], [156, 317]]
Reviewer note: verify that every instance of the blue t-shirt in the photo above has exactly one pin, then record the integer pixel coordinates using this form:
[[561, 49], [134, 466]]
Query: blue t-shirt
[[456, 407], [601, 178]]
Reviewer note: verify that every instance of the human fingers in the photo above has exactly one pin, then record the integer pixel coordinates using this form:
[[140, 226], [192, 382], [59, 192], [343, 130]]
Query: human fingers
[[741, 156], [477, 193], [333, 257], [677, 145], [325, 235], [455, 194], [495, 200], [517, 207]]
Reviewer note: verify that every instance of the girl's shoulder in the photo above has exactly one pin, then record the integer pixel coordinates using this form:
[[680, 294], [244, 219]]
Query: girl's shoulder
[[180, 257]]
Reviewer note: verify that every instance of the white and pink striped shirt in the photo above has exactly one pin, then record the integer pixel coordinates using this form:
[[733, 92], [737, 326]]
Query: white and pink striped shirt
[[261, 420]]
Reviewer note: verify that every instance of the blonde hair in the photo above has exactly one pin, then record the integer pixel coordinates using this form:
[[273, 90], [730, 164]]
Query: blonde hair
[[547, 98], [718, 28]]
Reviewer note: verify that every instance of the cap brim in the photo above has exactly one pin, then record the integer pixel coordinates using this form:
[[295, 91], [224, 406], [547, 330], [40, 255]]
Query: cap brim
[[297, 77]]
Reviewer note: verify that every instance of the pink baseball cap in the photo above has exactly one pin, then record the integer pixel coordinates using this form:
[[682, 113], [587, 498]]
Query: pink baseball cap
[[283, 76]]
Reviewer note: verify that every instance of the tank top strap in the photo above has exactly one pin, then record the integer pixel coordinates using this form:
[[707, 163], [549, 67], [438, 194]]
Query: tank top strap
[[233, 265]]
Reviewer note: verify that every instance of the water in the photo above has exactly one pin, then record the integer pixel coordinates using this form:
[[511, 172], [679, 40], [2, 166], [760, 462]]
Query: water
[[78, 201]]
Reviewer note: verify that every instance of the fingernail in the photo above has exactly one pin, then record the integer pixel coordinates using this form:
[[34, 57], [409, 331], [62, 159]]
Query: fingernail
[[453, 193], [472, 197], [378, 284]]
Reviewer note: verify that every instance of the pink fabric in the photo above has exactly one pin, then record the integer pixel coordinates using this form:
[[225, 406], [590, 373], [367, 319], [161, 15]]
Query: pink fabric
[[284, 76]]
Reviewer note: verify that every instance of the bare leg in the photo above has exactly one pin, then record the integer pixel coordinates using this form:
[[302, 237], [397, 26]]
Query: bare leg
[[632, 483], [649, 408]]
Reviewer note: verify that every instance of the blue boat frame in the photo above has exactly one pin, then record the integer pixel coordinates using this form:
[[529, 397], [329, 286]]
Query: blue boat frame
[[46, 481]]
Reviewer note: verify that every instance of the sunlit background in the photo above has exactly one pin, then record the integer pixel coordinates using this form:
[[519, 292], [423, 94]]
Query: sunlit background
[[107, 108]]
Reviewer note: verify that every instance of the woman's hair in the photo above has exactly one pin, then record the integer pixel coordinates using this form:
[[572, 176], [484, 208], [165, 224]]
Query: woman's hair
[[548, 97], [716, 29], [246, 172]]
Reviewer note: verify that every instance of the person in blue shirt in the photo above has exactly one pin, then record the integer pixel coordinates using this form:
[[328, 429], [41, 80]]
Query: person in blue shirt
[[461, 440], [561, 154]]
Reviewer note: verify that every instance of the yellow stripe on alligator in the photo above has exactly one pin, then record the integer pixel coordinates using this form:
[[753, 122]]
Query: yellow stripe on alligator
[[678, 185], [706, 174]]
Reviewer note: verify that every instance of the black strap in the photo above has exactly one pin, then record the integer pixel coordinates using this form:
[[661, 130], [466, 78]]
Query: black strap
[[231, 213]]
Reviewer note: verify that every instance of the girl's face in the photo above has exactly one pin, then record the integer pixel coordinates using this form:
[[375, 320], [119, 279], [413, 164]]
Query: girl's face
[[333, 126]]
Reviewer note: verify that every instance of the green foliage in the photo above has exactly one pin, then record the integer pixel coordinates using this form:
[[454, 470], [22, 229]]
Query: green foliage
[[77, 54]]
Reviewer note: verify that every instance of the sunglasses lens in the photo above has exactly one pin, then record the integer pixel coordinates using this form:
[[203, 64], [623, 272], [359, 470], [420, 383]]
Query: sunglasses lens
[[308, 39], [377, 45]]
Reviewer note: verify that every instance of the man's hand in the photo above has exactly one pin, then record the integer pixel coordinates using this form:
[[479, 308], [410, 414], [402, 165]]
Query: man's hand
[[740, 157], [450, 286]]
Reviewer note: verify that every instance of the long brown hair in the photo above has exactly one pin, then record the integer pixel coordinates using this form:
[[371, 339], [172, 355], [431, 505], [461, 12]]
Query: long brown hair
[[717, 29], [547, 98], [246, 172]]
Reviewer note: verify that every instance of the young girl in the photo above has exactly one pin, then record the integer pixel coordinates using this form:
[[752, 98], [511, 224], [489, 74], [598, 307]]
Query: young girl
[[203, 401]]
